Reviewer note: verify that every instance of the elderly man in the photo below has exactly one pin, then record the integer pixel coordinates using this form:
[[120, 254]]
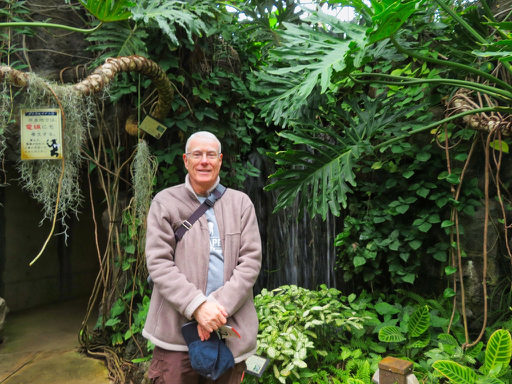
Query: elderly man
[[208, 275]]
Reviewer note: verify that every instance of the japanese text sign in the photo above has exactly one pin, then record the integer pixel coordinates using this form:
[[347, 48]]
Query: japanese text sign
[[41, 134]]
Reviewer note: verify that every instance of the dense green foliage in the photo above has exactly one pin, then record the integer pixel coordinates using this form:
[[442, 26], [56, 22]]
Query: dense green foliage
[[495, 367], [321, 336], [380, 159]]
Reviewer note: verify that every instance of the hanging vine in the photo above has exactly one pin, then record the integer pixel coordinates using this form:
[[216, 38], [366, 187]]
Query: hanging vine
[[38, 177], [496, 125]]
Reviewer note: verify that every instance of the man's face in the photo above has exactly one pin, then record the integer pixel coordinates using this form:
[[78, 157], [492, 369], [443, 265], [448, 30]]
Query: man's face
[[203, 163]]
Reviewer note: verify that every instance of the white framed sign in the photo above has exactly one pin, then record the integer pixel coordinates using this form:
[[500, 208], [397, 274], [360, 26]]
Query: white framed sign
[[41, 134], [256, 365]]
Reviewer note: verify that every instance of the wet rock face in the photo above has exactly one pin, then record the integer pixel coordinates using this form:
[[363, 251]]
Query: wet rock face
[[3, 315], [53, 53]]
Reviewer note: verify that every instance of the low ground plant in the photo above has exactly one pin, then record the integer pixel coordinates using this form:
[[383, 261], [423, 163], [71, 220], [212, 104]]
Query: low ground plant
[[495, 367], [302, 330]]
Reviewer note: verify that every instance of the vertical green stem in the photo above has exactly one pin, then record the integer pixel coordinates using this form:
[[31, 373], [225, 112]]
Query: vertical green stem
[[461, 21]]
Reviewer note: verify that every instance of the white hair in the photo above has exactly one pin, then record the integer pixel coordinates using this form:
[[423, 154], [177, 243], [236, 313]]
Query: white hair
[[204, 134]]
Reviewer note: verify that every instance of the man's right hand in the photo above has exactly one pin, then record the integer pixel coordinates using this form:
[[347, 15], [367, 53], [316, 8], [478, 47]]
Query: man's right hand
[[210, 316]]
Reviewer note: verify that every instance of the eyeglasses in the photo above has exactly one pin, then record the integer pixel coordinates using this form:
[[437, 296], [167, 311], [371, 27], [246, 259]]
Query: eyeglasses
[[197, 155]]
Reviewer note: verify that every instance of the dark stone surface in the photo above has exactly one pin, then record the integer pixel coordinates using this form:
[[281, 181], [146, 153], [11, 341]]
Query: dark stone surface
[[54, 52], [3, 314]]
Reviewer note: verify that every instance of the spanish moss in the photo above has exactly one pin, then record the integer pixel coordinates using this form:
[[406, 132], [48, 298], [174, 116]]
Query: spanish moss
[[144, 169], [40, 177]]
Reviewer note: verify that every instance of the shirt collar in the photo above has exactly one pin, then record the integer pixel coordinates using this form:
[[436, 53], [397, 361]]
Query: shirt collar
[[190, 189]]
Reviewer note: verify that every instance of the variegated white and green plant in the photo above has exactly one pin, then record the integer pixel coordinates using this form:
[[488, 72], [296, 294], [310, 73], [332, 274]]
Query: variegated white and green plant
[[295, 324]]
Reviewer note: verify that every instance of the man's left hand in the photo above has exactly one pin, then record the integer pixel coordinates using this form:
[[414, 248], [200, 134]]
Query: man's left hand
[[203, 333], [210, 316]]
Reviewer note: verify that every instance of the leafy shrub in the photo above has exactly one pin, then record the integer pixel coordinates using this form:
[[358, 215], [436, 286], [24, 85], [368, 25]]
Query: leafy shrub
[[416, 333], [299, 328], [495, 367]]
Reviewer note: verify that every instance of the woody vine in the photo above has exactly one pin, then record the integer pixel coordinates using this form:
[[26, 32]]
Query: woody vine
[[79, 107]]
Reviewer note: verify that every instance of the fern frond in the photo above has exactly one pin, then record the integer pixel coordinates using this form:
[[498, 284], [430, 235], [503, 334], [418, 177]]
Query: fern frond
[[412, 295], [352, 365], [361, 344], [441, 307], [507, 325], [364, 373], [117, 39]]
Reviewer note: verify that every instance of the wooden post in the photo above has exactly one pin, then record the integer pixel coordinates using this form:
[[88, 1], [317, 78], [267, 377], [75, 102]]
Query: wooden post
[[394, 371]]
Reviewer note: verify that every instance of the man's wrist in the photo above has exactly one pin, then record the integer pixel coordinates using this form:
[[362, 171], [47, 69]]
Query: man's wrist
[[194, 305]]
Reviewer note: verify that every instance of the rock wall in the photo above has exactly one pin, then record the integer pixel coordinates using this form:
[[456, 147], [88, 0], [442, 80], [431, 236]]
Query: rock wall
[[498, 261], [67, 269], [3, 313], [57, 54]]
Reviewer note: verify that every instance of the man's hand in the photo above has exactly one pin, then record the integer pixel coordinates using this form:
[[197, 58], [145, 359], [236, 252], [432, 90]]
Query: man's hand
[[210, 317], [203, 333]]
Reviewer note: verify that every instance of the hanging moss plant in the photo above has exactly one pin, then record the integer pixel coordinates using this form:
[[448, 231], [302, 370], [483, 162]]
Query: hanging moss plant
[[49, 181], [5, 116], [144, 169]]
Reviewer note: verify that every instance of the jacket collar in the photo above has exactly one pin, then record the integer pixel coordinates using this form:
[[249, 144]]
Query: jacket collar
[[190, 189]]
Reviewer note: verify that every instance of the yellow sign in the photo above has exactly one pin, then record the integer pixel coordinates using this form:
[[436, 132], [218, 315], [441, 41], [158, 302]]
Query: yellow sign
[[152, 126], [41, 134]]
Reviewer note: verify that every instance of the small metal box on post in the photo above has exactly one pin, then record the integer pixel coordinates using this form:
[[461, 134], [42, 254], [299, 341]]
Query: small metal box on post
[[395, 371]]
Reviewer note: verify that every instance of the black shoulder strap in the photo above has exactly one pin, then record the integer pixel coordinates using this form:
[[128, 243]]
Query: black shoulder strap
[[187, 224]]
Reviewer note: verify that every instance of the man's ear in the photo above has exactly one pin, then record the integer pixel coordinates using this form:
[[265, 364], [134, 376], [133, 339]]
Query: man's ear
[[185, 160]]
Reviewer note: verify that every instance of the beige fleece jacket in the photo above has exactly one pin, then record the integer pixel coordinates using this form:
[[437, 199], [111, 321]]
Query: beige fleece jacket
[[180, 271]]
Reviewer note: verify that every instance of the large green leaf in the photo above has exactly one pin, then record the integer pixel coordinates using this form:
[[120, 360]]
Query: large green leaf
[[455, 372], [169, 14], [320, 172], [490, 380], [109, 10], [389, 16], [384, 308], [498, 351], [320, 178], [419, 321], [419, 342], [306, 59], [391, 334]]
